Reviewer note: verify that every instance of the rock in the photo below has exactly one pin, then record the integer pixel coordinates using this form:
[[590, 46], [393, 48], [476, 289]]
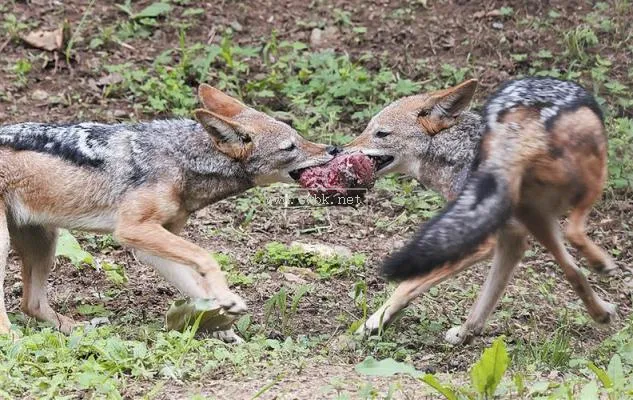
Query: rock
[[98, 321], [119, 113], [323, 250], [237, 27], [343, 343], [39, 95], [110, 79], [290, 277], [323, 38], [300, 272], [316, 37]]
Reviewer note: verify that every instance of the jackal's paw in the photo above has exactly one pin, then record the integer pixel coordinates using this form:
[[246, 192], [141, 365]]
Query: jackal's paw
[[65, 324], [5, 330], [371, 326], [608, 315], [228, 336], [232, 303], [608, 267], [45, 313], [457, 336]]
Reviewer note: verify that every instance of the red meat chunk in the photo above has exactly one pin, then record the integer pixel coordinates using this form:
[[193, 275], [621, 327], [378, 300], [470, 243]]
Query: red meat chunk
[[344, 172]]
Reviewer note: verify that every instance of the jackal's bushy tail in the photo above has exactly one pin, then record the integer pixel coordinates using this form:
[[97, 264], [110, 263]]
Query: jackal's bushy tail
[[482, 207]]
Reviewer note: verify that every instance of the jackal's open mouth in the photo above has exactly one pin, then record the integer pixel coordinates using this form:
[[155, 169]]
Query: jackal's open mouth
[[296, 174], [381, 162]]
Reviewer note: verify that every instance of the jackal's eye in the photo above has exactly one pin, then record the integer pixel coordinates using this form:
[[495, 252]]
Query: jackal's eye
[[290, 147], [382, 134]]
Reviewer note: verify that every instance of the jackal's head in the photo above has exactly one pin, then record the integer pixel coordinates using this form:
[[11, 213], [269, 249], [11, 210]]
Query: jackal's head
[[269, 150], [401, 134]]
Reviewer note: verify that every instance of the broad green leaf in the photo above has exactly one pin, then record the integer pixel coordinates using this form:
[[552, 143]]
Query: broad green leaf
[[445, 391], [589, 391], [190, 12], [209, 316], [539, 387], [601, 374], [153, 10], [114, 273], [488, 371], [67, 246], [97, 310], [387, 367], [615, 371]]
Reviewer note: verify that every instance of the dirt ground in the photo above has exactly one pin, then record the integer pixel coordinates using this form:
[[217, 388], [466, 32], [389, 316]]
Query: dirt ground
[[407, 31]]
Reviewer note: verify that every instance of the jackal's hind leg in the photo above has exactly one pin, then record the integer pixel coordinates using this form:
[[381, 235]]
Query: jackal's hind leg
[[547, 231], [35, 245], [598, 259]]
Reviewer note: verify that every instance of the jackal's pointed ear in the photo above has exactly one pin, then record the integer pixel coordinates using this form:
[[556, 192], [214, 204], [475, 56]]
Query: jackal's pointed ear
[[218, 102], [446, 105], [227, 135]]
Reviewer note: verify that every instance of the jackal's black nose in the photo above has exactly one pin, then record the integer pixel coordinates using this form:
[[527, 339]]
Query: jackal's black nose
[[333, 150]]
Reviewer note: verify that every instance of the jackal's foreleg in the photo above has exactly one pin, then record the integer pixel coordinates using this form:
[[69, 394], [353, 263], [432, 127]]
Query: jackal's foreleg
[[5, 325], [187, 266], [511, 244], [412, 288]]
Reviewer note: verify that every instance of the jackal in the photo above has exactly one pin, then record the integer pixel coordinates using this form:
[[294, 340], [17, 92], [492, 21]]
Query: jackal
[[538, 150], [141, 182]]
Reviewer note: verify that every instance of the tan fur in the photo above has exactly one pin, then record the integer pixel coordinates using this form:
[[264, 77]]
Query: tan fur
[[218, 102]]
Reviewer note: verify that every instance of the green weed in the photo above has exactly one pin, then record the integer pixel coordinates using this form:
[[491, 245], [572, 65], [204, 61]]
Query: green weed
[[276, 255], [233, 275], [280, 309], [100, 362], [578, 41]]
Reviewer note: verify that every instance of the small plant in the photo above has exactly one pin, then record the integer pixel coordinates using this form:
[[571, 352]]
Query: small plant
[[21, 69], [342, 17], [12, 26], [280, 309], [486, 374], [620, 158], [578, 41], [68, 247], [152, 11], [453, 75], [233, 275], [276, 255], [115, 273], [554, 353]]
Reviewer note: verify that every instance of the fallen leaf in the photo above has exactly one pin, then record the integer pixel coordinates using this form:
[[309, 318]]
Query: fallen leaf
[[48, 40], [489, 14], [183, 313]]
